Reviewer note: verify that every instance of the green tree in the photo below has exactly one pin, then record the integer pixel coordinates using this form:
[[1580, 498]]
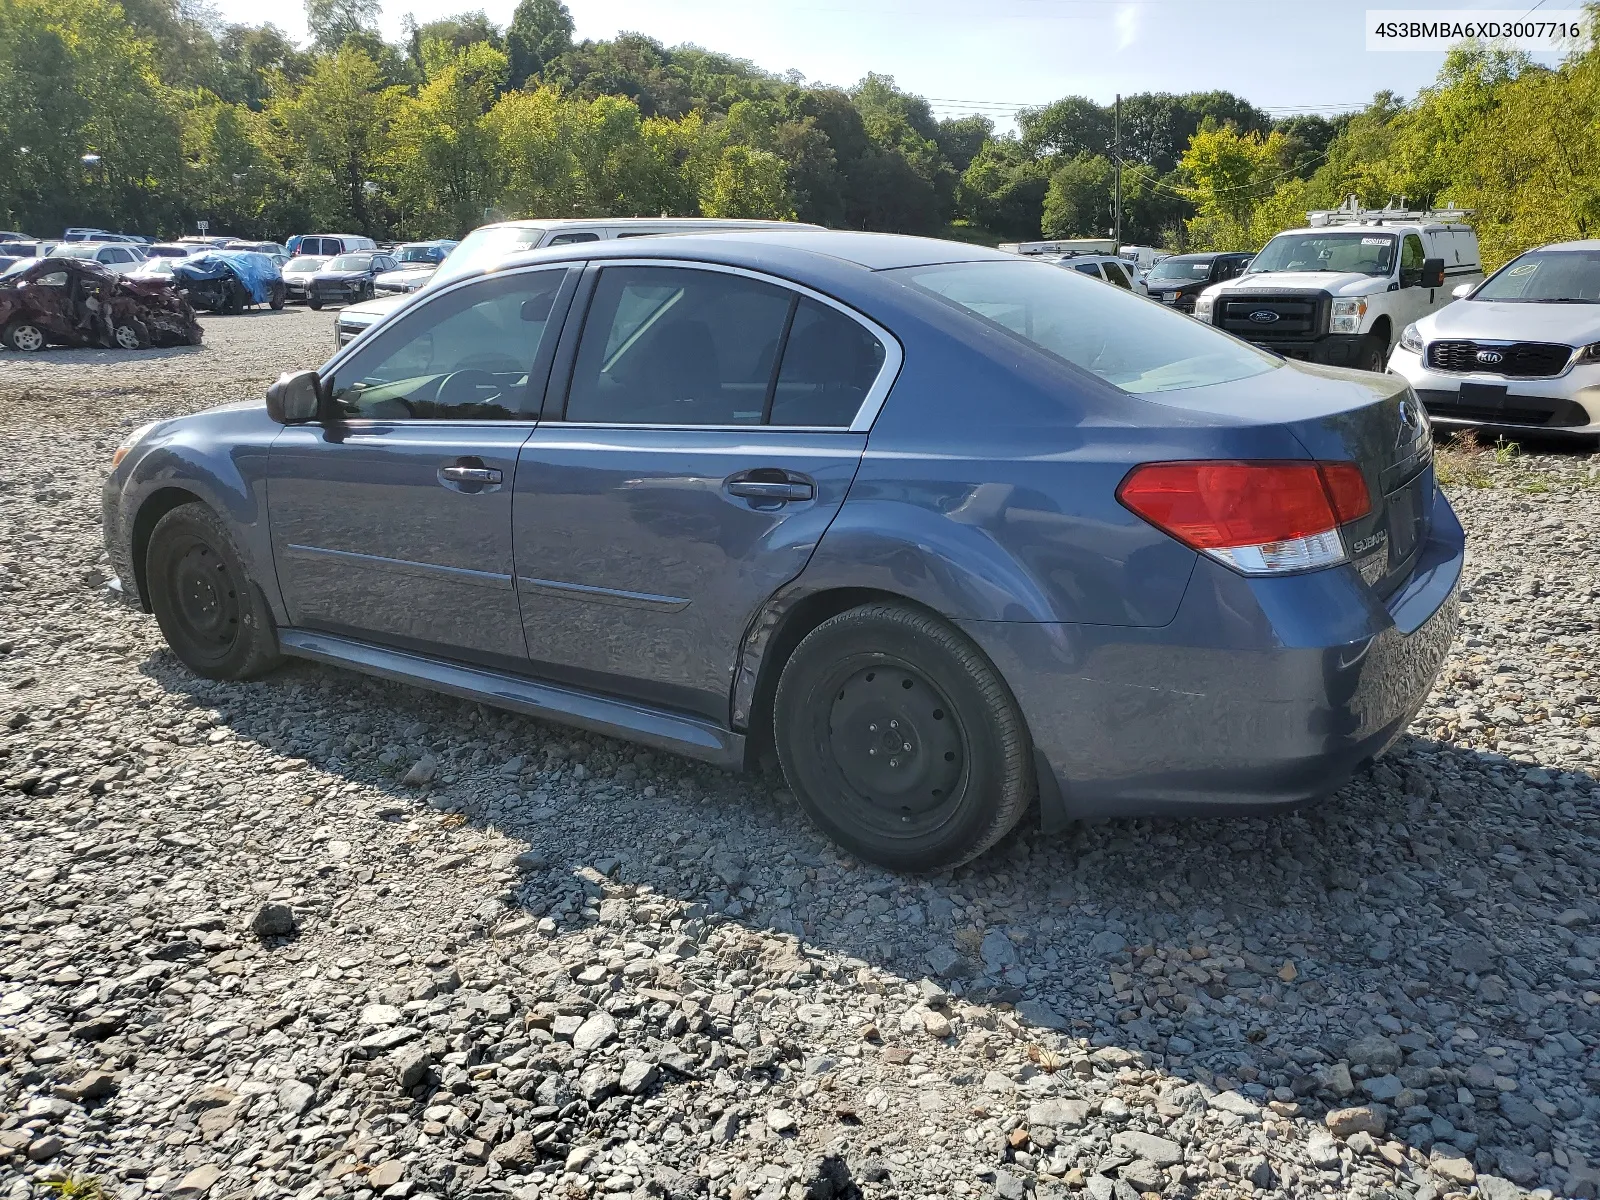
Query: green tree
[[540, 33], [1003, 189], [747, 183], [336, 133], [333, 22], [448, 170], [1079, 200]]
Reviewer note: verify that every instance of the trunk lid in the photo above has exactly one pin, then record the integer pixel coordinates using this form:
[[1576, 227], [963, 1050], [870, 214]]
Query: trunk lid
[[1341, 415]]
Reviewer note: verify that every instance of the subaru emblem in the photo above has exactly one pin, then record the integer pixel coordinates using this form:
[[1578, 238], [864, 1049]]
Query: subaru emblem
[[1263, 316], [1490, 357]]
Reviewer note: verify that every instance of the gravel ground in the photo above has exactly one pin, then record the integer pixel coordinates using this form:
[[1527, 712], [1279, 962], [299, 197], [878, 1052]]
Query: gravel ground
[[324, 936]]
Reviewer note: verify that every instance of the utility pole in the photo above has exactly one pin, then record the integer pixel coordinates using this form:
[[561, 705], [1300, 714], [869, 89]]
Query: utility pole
[[1116, 141]]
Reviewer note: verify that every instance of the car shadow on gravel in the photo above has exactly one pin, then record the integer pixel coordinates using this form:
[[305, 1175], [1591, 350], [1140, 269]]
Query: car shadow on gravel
[[1434, 903]]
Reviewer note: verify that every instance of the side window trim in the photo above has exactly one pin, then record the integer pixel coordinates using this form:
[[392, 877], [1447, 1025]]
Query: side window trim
[[538, 376], [556, 396]]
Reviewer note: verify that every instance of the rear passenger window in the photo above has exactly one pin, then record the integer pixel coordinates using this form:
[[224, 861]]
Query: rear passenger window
[[567, 239], [1087, 269], [680, 346], [677, 346], [1115, 274], [829, 364]]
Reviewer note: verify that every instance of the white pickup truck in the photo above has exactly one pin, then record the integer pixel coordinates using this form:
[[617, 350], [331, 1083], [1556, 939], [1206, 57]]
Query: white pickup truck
[[1343, 289]]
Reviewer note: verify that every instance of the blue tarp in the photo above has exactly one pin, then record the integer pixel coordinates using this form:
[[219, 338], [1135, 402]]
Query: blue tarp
[[255, 271]]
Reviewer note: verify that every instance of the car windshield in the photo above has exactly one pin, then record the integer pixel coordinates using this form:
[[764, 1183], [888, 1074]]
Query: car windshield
[[1180, 270], [301, 266], [351, 262], [1126, 340], [1364, 253], [16, 268], [418, 254], [76, 250], [1547, 277], [155, 266], [484, 247]]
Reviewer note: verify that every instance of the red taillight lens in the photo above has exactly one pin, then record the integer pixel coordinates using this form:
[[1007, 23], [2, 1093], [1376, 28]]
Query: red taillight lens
[[1260, 517]]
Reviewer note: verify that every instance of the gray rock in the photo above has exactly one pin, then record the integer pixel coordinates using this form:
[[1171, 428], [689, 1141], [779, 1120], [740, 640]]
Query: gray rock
[[1058, 1113], [998, 951], [638, 1075], [1158, 1150], [274, 920], [422, 771], [411, 1067], [725, 1128], [1375, 1052], [1474, 956], [599, 1029], [1322, 1150], [1493, 1187], [946, 963], [1041, 1015], [1008, 1187], [1143, 1175], [1106, 943], [1382, 1088], [295, 1096], [1233, 1102]]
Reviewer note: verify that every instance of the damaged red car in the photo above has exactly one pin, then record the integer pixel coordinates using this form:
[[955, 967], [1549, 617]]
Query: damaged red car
[[75, 302]]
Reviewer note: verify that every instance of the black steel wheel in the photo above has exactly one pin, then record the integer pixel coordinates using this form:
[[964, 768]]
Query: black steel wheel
[[212, 616], [900, 740]]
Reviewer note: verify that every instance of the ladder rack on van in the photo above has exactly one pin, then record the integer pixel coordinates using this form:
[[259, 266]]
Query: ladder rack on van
[[1351, 213]]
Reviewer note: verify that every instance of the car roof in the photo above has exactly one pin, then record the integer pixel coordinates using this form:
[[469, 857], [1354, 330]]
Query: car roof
[[1582, 244], [756, 247]]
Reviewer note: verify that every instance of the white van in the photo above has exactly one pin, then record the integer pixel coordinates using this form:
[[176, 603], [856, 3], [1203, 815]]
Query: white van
[[327, 245], [493, 242]]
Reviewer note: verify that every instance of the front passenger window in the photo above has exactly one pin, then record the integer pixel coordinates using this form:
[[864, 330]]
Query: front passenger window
[[463, 356]]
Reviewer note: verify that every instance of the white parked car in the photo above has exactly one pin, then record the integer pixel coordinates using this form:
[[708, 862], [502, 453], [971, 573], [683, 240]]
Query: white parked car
[[1341, 290], [1518, 352], [1113, 270], [120, 258], [490, 243]]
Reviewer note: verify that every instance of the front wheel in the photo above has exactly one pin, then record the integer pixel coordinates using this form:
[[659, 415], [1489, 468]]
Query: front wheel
[[899, 739], [279, 299], [132, 336], [212, 616], [1374, 353], [24, 336], [314, 302]]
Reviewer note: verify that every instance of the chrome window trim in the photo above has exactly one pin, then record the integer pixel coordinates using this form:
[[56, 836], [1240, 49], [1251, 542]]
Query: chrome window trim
[[871, 404]]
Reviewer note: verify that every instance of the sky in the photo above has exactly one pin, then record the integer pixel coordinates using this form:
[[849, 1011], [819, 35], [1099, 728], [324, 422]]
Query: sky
[[994, 56]]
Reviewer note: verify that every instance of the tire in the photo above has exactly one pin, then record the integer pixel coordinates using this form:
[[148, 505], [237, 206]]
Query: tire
[[883, 673], [1374, 353], [25, 337], [212, 616], [132, 335], [314, 302], [279, 299]]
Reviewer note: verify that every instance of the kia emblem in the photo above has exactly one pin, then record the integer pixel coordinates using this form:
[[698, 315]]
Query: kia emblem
[[1490, 357], [1263, 316]]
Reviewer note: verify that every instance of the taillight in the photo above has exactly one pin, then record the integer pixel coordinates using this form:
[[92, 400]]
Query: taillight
[[1261, 518]]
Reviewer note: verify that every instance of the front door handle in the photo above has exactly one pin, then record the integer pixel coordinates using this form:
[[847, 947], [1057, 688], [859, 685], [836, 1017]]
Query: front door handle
[[771, 484], [470, 474]]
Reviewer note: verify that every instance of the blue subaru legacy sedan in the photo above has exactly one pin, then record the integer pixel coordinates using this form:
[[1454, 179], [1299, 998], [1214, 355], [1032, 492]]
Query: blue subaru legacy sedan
[[947, 530]]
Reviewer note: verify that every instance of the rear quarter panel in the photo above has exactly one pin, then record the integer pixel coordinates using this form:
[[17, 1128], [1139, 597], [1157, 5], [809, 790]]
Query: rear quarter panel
[[988, 488]]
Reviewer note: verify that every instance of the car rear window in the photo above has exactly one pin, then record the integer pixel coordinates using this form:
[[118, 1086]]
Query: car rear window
[[1124, 339], [351, 262]]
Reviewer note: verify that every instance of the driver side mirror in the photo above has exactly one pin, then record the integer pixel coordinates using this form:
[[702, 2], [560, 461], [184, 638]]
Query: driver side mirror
[[295, 398], [1462, 290], [1433, 272]]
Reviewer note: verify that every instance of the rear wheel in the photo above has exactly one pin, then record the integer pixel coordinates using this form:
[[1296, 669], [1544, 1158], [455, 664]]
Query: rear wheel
[[314, 302], [212, 616], [24, 336], [899, 739]]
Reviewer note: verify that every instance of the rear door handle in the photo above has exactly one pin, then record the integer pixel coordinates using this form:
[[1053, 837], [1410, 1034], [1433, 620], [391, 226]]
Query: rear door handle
[[470, 474], [771, 484]]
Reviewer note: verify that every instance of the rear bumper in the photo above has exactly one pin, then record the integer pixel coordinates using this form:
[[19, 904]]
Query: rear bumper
[[1259, 694]]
